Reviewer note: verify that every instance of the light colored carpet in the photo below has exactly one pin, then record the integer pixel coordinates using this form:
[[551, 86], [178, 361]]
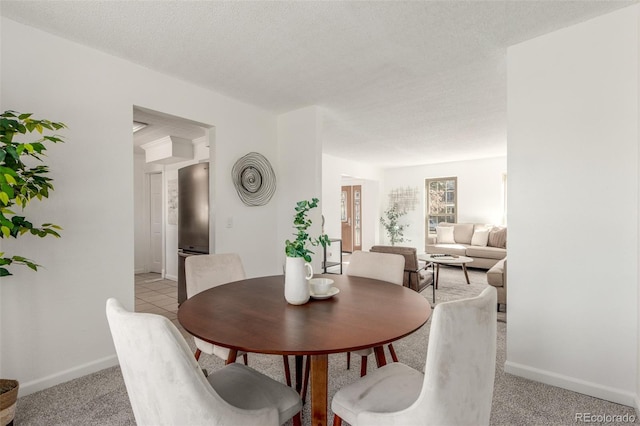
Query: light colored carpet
[[101, 398]]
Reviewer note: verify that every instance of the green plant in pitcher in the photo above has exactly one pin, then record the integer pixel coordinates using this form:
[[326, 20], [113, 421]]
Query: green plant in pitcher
[[298, 247]]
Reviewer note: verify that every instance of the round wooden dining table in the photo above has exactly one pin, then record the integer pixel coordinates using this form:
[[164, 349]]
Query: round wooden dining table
[[252, 315]]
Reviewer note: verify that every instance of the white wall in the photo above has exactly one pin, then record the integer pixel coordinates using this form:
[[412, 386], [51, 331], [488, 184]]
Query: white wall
[[573, 99], [479, 193], [253, 232], [140, 209], [300, 175], [335, 172], [53, 326]]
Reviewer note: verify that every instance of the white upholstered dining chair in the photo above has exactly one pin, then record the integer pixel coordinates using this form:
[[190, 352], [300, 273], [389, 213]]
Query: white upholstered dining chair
[[457, 385], [167, 387], [206, 271], [378, 266]]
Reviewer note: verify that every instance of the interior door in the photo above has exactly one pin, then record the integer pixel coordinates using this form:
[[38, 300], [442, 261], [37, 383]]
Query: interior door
[[345, 217], [155, 216], [351, 215]]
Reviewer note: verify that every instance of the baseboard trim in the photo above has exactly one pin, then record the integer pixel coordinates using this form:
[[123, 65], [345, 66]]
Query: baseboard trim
[[171, 277], [139, 271], [66, 375], [571, 383]]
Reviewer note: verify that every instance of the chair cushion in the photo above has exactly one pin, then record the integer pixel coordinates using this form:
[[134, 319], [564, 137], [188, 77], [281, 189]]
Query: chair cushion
[[445, 235], [486, 252], [245, 388], [426, 276], [391, 388], [463, 232], [498, 237], [480, 237]]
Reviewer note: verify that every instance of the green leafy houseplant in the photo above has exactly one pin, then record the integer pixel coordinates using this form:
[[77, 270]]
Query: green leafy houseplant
[[297, 247], [394, 229], [21, 182]]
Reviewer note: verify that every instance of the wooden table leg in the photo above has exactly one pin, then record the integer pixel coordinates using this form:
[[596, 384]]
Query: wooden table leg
[[319, 386], [299, 359], [287, 370], [381, 360], [464, 268], [231, 358]]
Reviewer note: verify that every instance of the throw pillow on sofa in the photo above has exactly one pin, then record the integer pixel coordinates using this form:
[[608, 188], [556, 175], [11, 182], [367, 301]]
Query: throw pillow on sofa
[[498, 237], [480, 237], [444, 235]]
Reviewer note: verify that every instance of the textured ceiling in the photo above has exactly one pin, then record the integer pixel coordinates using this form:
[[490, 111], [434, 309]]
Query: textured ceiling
[[400, 83]]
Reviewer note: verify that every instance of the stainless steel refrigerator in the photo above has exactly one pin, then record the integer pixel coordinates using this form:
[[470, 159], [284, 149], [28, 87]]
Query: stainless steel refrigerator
[[193, 217]]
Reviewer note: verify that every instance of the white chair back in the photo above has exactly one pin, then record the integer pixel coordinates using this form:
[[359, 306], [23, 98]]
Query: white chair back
[[378, 266], [165, 383], [206, 271], [457, 385], [461, 362], [203, 272]]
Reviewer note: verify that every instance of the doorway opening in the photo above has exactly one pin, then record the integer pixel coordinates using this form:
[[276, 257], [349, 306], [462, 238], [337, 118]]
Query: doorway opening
[[155, 202], [351, 217], [356, 210]]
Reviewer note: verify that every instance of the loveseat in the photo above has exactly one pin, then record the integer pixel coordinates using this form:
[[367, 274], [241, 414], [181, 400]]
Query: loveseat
[[486, 245]]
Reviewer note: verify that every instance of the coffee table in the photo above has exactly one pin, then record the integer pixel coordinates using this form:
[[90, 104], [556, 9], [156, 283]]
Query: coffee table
[[252, 315], [438, 259]]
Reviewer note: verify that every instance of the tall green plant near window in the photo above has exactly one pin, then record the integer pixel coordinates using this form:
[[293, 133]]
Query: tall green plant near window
[[21, 182], [392, 225]]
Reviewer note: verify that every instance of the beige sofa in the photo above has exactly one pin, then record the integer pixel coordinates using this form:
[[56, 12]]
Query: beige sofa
[[484, 256], [497, 277]]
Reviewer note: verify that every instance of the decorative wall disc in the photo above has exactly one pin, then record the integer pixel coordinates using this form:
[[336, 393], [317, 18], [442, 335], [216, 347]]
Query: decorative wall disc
[[254, 179]]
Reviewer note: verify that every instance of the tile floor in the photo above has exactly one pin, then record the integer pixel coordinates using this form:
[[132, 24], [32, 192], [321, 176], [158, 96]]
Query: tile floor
[[157, 296]]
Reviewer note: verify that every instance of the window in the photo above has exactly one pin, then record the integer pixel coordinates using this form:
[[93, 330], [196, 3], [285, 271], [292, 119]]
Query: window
[[441, 201]]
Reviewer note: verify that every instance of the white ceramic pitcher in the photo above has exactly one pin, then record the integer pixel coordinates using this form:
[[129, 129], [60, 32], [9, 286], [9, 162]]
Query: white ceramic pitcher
[[296, 275]]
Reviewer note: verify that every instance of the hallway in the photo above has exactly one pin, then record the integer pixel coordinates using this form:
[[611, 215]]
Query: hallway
[[156, 295]]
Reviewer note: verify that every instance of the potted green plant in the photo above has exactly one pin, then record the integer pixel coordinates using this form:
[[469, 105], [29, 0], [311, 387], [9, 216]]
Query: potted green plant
[[297, 268], [20, 183], [21, 180], [391, 224]]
